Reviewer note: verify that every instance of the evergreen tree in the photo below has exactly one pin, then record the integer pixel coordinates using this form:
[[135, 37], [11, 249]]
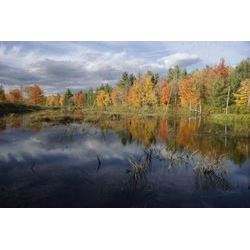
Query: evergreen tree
[[155, 78], [219, 94], [90, 98], [239, 74], [106, 88], [2, 94], [124, 82], [132, 79], [68, 98], [175, 74], [127, 81]]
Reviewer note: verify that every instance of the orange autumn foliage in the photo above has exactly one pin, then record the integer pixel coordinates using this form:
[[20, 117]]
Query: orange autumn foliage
[[189, 92], [222, 70], [79, 99], [15, 95], [34, 94], [53, 100], [165, 94], [118, 96]]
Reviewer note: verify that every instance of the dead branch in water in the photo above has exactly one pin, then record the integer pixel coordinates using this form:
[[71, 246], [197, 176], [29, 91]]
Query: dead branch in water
[[99, 163]]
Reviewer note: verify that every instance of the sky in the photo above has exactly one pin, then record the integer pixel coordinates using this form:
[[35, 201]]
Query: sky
[[57, 66]]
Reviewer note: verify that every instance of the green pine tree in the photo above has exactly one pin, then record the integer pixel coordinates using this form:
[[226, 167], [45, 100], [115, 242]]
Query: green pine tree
[[68, 101], [239, 74], [219, 95], [2, 94]]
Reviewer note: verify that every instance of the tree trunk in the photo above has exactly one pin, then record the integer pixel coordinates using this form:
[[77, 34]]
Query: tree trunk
[[228, 93]]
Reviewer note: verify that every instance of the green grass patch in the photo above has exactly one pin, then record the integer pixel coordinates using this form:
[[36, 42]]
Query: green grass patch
[[230, 118]]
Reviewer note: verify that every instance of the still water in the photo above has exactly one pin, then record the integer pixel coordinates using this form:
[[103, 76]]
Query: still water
[[123, 162]]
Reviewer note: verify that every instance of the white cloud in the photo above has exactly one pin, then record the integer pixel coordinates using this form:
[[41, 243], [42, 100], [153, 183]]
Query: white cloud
[[77, 65], [181, 59]]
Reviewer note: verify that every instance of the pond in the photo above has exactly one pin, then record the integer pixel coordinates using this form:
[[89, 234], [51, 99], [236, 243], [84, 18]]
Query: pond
[[123, 161]]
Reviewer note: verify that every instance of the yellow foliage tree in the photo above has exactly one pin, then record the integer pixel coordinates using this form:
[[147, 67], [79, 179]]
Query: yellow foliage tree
[[242, 97], [102, 99], [143, 93], [118, 96], [79, 99], [15, 96], [53, 100], [189, 92], [61, 100]]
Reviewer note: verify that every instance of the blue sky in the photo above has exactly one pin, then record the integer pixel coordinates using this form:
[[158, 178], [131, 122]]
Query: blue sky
[[80, 65]]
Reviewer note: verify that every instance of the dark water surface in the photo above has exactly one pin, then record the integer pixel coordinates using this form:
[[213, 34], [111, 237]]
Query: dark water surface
[[123, 162]]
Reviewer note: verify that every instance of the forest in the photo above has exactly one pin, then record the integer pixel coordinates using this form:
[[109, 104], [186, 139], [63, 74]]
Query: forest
[[217, 89]]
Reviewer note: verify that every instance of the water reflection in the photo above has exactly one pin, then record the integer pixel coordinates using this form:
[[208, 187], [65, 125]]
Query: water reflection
[[122, 162]]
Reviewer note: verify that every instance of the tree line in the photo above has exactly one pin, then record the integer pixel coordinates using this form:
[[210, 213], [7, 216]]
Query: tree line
[[219, 88]]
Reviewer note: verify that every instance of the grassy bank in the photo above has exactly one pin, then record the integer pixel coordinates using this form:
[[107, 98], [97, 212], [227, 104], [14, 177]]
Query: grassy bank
[[145, 111], [15, 108], [230, 118], [61, 114]]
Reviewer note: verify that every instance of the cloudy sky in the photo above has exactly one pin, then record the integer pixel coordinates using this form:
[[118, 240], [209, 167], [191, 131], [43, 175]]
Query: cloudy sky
[[80, 65]]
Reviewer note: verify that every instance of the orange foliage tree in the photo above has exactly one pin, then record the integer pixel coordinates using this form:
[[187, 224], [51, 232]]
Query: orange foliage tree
[[15, 95], [142, 93], [79, 99], [222, 69], [102, 99], [189, 92], [34, 95], [119, 95], [53, 100], [165, 93]]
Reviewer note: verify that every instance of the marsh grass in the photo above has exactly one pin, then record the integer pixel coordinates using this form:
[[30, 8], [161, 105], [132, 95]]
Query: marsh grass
[[230, 118]]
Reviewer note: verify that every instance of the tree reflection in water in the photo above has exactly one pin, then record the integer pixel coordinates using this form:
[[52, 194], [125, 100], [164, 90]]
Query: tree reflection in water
[[148, 161]]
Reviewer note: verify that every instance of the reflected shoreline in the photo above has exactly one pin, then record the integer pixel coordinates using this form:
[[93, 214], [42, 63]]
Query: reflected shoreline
[[65, 160]]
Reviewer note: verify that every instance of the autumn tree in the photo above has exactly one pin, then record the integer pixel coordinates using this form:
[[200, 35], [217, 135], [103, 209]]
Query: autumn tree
[[34, 95], [79, 99], [189, 92], [50, 100], [103, 99], [119, 96], [61, 100], [134, 97], [15, 96], [163, 92], [175, 74], [147, 92], [53, 100], [143, 93], [242, 96], [222, 70]]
